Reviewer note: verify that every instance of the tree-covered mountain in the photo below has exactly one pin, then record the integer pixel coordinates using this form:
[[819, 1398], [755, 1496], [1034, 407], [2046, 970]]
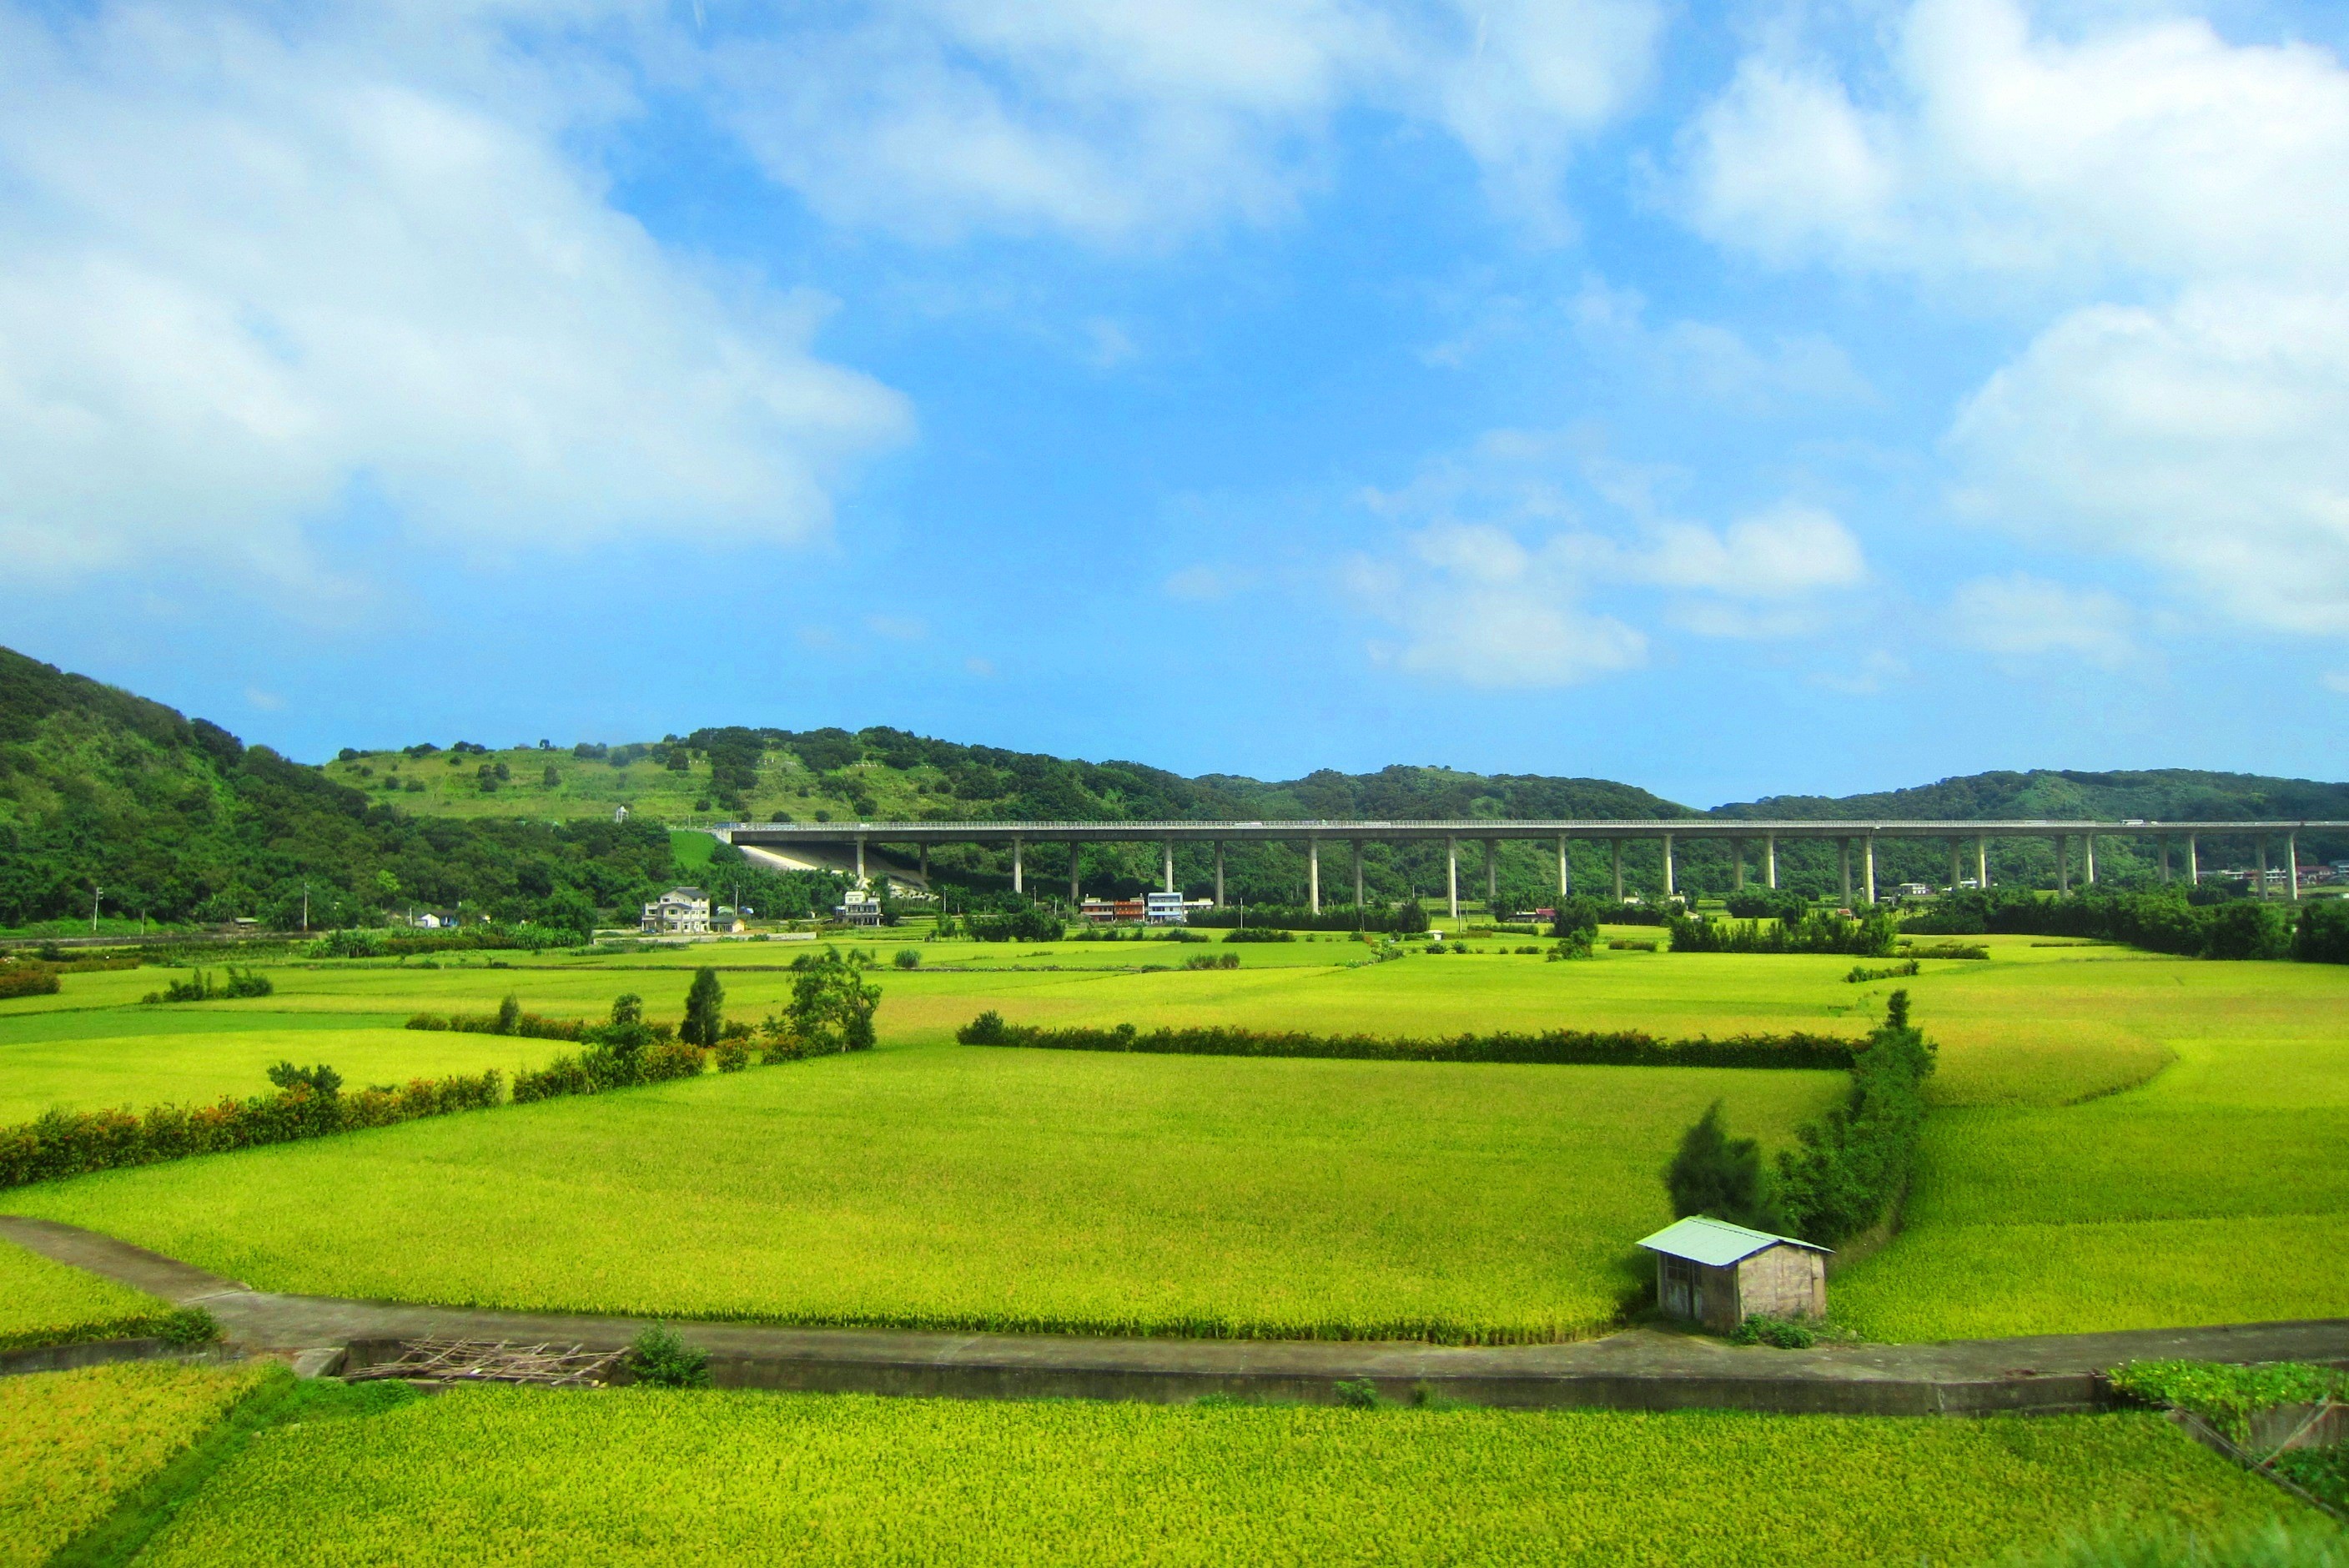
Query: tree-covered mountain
[[176, 818]]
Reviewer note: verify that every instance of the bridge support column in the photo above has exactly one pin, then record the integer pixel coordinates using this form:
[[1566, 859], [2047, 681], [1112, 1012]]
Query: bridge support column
[[2291, 863], [1451, 875], [1169, 847], [1667, 868], [2193, 862], [1843, 862], [1357, 879], [2264, 865], [1313, 875], [1769, 859], [1871, 868], [2063, 862], [2088, 860], [1076, 877], [1956, 871], [1981, 860], [925, 868], [860, 860], [1219, 873], [1616, 845], [1737, 858], [1492, 876], [1018, 871], [1565, 871]]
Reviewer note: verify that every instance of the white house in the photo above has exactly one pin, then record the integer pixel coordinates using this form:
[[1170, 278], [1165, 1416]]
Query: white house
[[862, 909], [1165, 909], [683, 910]]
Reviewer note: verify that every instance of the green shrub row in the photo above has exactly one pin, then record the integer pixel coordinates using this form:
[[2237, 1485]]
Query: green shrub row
[[1861, 974], [1627, 1048], [1871, 936], [202, 987], [603, 1067], [1850, 1167], [2163, 921], [28, 980], [508, 1019], [63, 1143], [1260, 933], [1401, 919]]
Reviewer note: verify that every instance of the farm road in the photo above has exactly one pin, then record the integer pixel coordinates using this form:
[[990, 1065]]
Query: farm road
[[1637, 1369]]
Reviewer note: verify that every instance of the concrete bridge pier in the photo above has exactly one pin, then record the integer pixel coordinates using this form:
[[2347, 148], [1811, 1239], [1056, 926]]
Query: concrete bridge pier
[[2193, 862], [1565, 871], [1619, 870], [1667, 868], [1018, 872], [1219, 873], [1492, 876], [1981, 860], [1737, 859], [1451, 875], [1843, 864], [860, 860], [1313, 875], [1358, 875], [2291, 863], [1076, 879], [2063, 862], [1955, 872], [1770, 859], [1869, 845], [2088, 860], [2264, 865], [1169, 845]]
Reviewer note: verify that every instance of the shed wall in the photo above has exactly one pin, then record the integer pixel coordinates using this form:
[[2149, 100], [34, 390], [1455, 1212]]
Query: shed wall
[[1786, 1282]]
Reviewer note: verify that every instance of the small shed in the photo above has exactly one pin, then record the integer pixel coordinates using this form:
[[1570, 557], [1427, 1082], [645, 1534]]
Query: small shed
[[1721, 1274]]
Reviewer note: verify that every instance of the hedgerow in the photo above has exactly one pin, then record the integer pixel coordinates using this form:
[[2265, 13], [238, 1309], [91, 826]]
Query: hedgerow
[[1853, 1164], [1622, 1047], [2163, 922], [28, 980], [62, 1143], [1871, 936]]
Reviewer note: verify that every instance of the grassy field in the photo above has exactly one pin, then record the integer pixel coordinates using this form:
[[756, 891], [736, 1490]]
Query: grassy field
[[42, 1302], [593, 786], [2119, 1140], [643, 1477], [71, 1443], [949, 1186]]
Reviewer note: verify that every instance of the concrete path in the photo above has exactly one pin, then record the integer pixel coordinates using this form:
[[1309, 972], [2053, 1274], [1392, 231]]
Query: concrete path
[[1638, 1369]]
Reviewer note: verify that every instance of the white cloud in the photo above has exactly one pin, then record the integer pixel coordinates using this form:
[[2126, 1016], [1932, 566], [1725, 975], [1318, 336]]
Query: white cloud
[[1496, 572], [1475, 606], [1205, 584], [1112, 122], [1710, 360], [2192, 409], [897, 628], [2335, 681], [2020, 617], [251, 270]]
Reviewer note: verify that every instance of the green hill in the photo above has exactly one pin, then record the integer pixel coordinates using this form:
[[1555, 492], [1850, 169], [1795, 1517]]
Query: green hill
[[177, 819]]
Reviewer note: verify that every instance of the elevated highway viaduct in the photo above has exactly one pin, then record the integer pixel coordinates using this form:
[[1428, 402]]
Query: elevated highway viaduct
[[1969, 844]]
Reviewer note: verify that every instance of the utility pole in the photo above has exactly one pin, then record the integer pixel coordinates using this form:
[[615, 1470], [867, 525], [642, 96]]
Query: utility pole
[[306, 909], [94, 891]]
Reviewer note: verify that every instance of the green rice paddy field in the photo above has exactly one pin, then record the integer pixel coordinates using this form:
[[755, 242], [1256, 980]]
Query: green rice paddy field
[[2119, 1140], [486, 1475]]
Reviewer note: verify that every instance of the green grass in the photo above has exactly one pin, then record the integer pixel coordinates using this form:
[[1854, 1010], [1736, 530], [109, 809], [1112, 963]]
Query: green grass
[[946, 1186], [71, 1443], [647, 1477], [2119, 1140], [45, 1303]]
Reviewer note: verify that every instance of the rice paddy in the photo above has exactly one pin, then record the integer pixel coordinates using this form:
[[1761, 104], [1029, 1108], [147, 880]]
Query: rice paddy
[[646, 1477], [45, 1303]]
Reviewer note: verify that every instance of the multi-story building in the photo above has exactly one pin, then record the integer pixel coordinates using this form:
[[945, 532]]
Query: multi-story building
[[681, 911]]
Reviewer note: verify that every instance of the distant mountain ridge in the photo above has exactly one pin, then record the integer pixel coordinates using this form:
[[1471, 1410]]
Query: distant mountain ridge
[[178, 819]]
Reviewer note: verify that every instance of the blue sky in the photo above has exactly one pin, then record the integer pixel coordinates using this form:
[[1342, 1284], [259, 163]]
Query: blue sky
[[1732, 400]]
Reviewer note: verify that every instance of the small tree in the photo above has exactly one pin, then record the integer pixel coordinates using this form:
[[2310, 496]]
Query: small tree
[[705, 1004], [1719, 1176], [321, 1080], [832, 1006]]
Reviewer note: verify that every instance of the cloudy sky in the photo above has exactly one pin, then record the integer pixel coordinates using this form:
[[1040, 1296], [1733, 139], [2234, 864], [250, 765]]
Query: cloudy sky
[[1806, 395]]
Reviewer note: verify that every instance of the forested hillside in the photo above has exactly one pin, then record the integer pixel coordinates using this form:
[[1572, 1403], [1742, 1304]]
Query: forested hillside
[[177, 819]]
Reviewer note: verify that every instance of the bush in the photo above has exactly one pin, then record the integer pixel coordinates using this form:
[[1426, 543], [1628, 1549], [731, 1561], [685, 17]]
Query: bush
[[2324, 934], [908, 958], [1861, 974], [347, 944], [1869, 937], [1212, 961], [62, 1143], [1719, 1176], [664, 1360], [321, 1080], [704, 1002], [1403, 918], [732, 1057], [199, 987], [830, 1008], [1766, 904], [1853, 1164], [1785, 1333], [2163, 921], [1626, 1048], [2228, 1396], [1259, 934], [28, 980]]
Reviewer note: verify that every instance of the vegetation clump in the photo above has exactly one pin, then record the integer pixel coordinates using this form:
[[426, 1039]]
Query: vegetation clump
[[201, 986], [1853, 1165], [1719, 1176], [2228, 1396], [661, 1357], [1623, 1047], [1870, 935]]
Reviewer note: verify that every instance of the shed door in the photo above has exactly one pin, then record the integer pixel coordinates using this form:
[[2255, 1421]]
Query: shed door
[[1676, 1286]]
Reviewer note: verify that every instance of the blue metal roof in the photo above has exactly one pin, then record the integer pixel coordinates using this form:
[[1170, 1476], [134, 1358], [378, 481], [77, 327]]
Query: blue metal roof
[[1716, 1244]]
